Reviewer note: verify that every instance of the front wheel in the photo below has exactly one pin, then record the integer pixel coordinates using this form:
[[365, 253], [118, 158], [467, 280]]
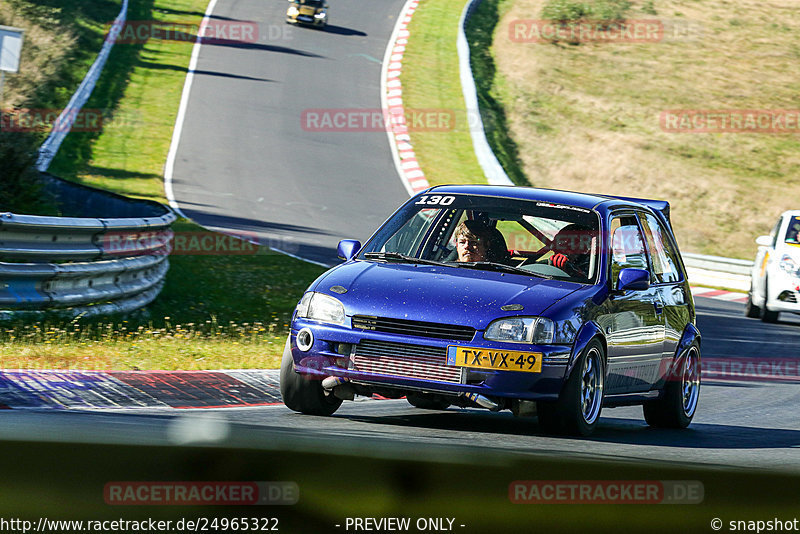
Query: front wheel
[[751, 310], [303, 394], [678, 402], [578, 407]]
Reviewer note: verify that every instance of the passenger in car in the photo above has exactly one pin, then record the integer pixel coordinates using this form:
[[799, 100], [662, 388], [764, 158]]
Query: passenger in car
[[571, 248]]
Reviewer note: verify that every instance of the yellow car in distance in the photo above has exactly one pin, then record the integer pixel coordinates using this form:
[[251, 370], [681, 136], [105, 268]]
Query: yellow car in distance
[[308, 12]]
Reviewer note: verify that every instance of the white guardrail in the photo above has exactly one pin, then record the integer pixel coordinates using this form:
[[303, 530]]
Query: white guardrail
[[111, 257], [704, 270]]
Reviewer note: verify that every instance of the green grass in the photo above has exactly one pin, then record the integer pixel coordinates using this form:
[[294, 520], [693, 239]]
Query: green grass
[[479, 33], [216, 311], [140, 93], [430, 79]]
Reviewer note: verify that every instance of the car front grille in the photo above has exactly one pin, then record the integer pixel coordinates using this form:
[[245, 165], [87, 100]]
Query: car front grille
[[413, 328], [400, 359]]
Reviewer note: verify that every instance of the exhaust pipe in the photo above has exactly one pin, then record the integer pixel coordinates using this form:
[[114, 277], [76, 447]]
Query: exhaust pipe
[[338, 387], [483, 402], [332, 381]]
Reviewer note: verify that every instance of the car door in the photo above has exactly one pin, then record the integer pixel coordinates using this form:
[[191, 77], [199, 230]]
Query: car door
[[634, 322], [668, 280]]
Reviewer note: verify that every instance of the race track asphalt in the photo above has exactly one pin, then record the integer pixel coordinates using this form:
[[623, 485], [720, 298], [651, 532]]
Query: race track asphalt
[[247, 162]]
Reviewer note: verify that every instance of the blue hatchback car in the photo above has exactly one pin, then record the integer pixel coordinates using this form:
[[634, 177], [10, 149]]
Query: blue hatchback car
[[544, 302]]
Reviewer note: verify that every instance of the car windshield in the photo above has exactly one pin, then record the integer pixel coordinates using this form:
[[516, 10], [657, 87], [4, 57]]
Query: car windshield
[[538, 239], [793, 232], [314, 3]]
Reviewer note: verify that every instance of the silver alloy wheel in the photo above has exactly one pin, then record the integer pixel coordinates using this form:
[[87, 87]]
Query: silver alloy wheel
[[690, 381], [591, 386]]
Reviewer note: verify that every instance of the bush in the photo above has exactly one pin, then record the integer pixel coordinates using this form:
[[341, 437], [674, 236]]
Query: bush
[[21, 190]]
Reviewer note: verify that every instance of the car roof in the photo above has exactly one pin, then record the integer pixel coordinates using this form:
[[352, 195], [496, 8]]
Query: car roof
[[571, 198]]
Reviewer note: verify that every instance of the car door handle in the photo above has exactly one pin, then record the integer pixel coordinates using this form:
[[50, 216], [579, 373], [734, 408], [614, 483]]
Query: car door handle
[[658, 306]]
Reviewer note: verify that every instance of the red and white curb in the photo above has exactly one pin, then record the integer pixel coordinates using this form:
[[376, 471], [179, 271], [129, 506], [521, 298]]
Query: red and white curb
[[719, 294], [405, 160]]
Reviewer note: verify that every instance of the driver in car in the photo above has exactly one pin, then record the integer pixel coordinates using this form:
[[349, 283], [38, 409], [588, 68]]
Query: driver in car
[[472, 240], [475, 241]]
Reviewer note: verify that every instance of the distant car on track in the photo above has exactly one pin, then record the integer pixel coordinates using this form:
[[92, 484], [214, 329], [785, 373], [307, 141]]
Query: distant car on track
[[775, 279], [610, 323], [308, 12]]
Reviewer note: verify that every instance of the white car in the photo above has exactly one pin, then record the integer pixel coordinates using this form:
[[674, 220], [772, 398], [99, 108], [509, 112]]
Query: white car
[[775, 285]]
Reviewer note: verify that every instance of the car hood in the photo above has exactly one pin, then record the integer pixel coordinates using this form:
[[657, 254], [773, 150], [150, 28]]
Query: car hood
[[448, 295]]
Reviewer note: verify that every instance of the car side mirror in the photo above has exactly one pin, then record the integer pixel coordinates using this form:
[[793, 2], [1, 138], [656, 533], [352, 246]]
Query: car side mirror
[[633, 279], [348, 248], [764, 241]]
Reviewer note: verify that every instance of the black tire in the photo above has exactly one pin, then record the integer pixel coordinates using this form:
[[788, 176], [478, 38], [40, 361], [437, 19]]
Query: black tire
[[302, 394], [767, 315], [426, 403], [578, 407], [751, 310], [678, 403]]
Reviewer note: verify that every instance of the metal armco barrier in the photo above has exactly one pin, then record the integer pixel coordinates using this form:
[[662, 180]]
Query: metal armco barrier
[[718, 263], [86, 265]]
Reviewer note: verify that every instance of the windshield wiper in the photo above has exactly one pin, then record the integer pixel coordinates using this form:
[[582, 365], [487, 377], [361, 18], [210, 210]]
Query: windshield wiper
[[500, 267], [401, 258]]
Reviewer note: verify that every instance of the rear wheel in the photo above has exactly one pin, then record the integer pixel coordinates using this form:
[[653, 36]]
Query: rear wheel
[[303, 394], [767, 315], [578, 407], [426, 403], [678, 403]]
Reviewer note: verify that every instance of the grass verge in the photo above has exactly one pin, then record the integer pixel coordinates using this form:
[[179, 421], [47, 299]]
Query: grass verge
[[216, 311], [587, 116], [431, 81]]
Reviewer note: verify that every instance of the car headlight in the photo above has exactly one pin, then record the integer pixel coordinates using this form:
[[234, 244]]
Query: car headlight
[[320, 307], [320, 15], [522, 330], [788, 264], [292, 11]]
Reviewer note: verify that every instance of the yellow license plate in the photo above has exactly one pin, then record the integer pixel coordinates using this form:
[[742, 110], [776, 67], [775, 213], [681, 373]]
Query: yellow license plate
[[502, 360]]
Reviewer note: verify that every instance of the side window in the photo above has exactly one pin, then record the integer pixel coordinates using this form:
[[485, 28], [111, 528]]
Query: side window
[[409, 236], [627, 246], [664, 255], [774, 233]]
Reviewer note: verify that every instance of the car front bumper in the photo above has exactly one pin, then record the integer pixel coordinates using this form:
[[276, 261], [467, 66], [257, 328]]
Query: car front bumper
[[306, 20], [784, 292], [411, 363]]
